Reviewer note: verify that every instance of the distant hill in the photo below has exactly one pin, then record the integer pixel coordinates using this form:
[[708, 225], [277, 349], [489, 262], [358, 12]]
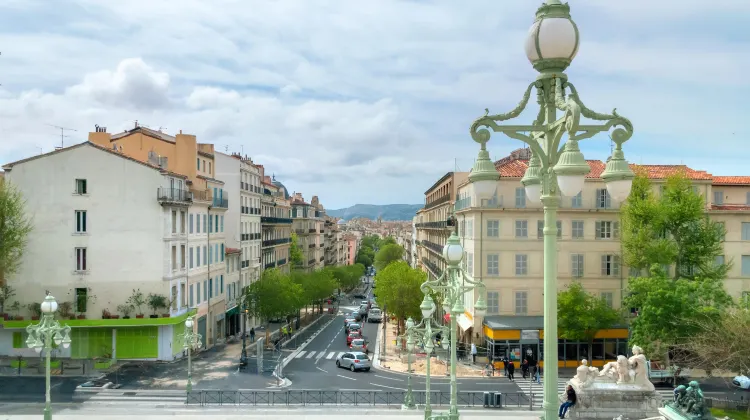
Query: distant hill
[[372, 211]]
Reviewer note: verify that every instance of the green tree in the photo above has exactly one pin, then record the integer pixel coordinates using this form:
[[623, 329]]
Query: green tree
[[370, 241], [399, 290], [365, 256], [389, 240], [387, 255], [296, 257], [671, 229], [15, 227], [275, 295], [580, 315], [666, 308]]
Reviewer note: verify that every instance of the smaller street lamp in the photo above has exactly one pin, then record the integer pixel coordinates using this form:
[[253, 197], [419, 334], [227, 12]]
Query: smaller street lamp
[[423, 333], [41, 337], [190, 340], [410, 343], [243, 356]]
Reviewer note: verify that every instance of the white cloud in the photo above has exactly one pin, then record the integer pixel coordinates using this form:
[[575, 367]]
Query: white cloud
[[364, 102]]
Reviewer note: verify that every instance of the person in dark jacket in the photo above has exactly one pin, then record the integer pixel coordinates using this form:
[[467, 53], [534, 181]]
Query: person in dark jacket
[[511, 368], [569, 403]]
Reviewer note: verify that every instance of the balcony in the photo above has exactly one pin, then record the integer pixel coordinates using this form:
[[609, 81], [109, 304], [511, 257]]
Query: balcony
[[432, 225], [274, 220], [220, 203], [311, 246], [322, 231], [273, 242], [439, 201], [269, 265], [300, 231], [281, 262], [174, 196], [321, 245], [437, 272], [432, 246], [312, 230], [322, 258], [201, 195], [311, 261], [249, 236]]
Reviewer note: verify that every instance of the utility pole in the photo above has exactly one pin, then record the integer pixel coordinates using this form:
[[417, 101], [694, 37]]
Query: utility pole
[[62, 133]]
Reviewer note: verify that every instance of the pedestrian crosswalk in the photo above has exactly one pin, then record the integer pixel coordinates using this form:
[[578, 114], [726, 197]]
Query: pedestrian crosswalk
[[140, 397], [314, 354], [536, 390]]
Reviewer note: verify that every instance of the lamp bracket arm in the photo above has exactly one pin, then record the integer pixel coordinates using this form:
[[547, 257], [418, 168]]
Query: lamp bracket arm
[[482, 136], [620, 135]]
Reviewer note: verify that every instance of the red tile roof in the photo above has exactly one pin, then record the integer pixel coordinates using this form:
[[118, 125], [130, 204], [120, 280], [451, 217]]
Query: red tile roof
[[228, 251], [732, 180], [517, 167]]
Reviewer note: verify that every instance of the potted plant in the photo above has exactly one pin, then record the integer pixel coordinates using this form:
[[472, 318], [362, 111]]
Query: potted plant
[[35, 309], [169, 303], [106, 314], [65, 310], [16, 308], [126, 309], [6, 294], [55, 362], [137, 301], [156, 302], [19, 363], [82, 303]]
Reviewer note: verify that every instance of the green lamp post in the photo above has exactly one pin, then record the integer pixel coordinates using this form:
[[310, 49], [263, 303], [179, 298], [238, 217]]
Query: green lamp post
[[410, 341], [41, 337], [551, 45], [190, 340], [453, 285], [423, 333]]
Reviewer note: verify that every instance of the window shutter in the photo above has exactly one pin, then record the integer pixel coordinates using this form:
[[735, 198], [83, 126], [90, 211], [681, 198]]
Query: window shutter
[[607, 199], [598, 233], [604, 265], [616, 229], [559, 228], [615, 265], [540, 229], [599, 201]]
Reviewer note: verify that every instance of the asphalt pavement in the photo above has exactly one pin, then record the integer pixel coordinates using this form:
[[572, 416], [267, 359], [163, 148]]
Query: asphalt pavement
[[31, 389]]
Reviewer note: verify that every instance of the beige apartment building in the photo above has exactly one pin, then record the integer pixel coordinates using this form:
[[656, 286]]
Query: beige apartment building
[[503, 244], [333, 240], [276, 224], [308, 226]]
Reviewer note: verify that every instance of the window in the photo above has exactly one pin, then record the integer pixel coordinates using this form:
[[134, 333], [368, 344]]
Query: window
[[493, 265], [576, 201], [211, 287], [197, 256], [81, 221], [607, 230], [608, 298], [191, 296], [520, 198], [222, 252], [522, 229], [198, 293], [81, 299], [81, 263], [182, 256], [198, 162], [603, 200], [182, 222], [719, 197], [540, 229], [493, 228], [723, 231], [205, 256], [470, 263], [221, 280], [205, 290], [469, 228], [205, 224], [174, 221], [745, 231], [610, 265], [719, 260], [174, 257], [576, 265], [191, 257], [222, 223], [209, 168], [522, 264], [191, 223], [746, 266], [522, 303], [216, 223], [81, 186], [577, 229], [493, 302], [747, 198], [210, 224]]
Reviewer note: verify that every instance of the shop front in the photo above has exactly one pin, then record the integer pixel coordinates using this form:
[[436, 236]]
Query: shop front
[[520, 337]]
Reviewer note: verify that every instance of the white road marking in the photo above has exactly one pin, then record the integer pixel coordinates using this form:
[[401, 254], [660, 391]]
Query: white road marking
[[392, 379], [302, 353], [310, 355], [321, 369], [346, 377], [320, 355], [389, 387], [330, 355], [341, 353]]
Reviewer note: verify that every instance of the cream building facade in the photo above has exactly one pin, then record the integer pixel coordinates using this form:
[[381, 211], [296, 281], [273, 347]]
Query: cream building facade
[[276, 224], [308, 225]]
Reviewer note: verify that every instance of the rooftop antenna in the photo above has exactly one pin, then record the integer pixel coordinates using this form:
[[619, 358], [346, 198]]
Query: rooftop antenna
[[226, 148], [62, 133], [161, 129]]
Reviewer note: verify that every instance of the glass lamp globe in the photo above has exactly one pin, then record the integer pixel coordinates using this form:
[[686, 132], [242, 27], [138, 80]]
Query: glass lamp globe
[[429, 347], [534, 192], [409, 323], [553, 40], [38, 347], [571, 185], [58, 339], [445, 344], [189, 323], [484, 189], [427, 307], [453, 252], [410, 344], [49, 305], [66, 341], [30, 341], [620, 189]]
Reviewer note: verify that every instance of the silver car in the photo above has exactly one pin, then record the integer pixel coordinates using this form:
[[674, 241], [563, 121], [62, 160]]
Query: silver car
[[354, 361], [359, 345]]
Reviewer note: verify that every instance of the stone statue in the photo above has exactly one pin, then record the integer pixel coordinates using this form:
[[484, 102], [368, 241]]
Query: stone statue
[[585, 374], [619, 370], [639, 365], [690, 402]]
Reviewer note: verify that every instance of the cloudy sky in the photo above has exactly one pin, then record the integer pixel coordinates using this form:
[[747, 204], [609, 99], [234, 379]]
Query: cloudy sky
[[368, 101]]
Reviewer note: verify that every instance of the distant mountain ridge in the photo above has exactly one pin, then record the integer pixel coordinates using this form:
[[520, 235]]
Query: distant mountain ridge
[[388, 212]]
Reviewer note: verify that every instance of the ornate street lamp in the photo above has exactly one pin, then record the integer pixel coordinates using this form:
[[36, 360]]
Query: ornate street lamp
[[453, 284], [423, 333], [190, 341], [410, 343], [551, 45], [41, 337]]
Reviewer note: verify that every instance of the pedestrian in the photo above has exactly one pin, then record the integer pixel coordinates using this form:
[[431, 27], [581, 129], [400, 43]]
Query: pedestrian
[[283, 332], [473, 353], [525, 368], [252, 335], [538, 374], [511, 368], [569, 403], [505, 365]]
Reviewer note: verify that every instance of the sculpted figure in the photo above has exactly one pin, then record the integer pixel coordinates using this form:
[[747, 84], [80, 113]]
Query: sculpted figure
[[639, 365], [584, 373], [619, 370]]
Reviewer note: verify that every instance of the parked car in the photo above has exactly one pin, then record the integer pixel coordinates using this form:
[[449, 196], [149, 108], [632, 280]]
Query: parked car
[[359, 344], [741, 382], [354, 361], [659, 373], [352, 336], [375, 315], [360, 296]]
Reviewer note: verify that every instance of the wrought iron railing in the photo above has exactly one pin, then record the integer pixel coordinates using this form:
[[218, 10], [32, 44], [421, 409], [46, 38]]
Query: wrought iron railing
[[432, 266], [432, 246], [275, 220], [218, 202], [439, 201], [432, 225], [272, 242], [174, 195]]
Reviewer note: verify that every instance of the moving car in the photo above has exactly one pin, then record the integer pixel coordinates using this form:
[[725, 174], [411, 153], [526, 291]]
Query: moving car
[[353, 327], [354, 361], [359, 344], [349, 319], [352, 336], [741, 382], [375, 315]]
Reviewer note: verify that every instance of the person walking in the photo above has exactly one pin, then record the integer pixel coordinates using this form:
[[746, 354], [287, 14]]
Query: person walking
[[505, 365], [511, 368], [525, 368], [252, 335], [569, 403], [473, 353]]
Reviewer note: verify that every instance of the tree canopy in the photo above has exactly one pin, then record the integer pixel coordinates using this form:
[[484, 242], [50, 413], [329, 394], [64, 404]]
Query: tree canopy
[[15, 227], [399, 289], [370, 241], [388, 240], [580, 315], [388, 254], [296, 257]]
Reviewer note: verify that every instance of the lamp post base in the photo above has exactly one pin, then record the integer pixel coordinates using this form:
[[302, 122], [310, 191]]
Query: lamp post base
[[409, 406], [47, 413]]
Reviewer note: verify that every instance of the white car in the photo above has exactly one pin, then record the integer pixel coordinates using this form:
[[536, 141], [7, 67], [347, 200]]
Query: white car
[[742, 382]]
